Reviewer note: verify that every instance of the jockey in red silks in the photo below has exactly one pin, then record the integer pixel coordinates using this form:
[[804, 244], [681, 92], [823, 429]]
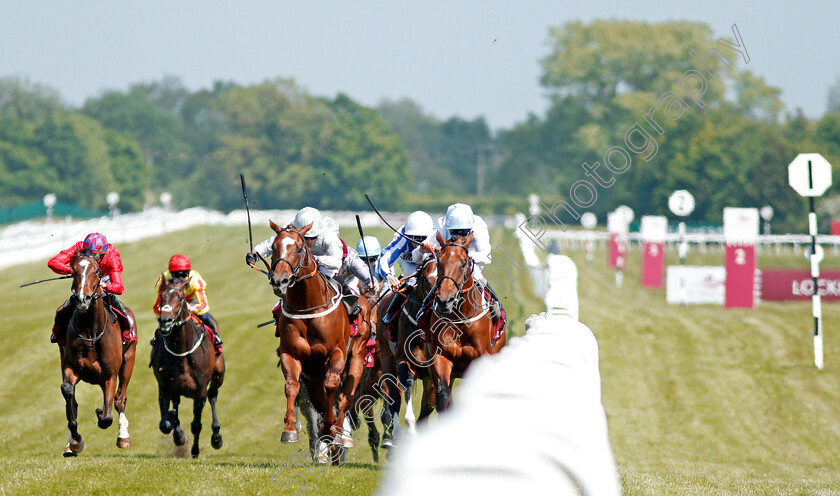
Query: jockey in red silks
[[110, 265]]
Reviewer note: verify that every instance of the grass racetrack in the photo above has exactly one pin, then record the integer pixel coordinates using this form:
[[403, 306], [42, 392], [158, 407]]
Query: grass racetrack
[[699, 400]]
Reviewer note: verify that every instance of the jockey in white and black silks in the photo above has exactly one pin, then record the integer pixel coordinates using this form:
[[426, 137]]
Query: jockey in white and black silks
[[418, 227]]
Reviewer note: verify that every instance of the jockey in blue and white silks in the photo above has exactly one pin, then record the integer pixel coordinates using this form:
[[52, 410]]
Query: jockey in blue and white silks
[[417, 228]]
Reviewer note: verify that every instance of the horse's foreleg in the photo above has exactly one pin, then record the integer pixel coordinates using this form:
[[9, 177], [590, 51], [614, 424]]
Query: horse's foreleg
[[291, 371], [109, 391], [195, 427], [332, 381], [427, 403], [123, 438], [177, 434], [216, 440], [163, 400], [351, 384], [75, 444], [407, 380], [441, 373]]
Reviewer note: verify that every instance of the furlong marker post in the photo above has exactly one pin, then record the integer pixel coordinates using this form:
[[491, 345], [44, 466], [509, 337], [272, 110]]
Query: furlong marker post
[[810, 175]]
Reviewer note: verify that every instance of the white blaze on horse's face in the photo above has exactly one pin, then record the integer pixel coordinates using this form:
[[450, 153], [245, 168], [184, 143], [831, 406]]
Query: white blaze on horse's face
[[83, 299], [283, 270]]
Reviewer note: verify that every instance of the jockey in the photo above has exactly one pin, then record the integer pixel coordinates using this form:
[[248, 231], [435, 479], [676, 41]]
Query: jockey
[[195, 293], [459, 222], [367, 252], [110, 265], [418, 227], [326, 248]]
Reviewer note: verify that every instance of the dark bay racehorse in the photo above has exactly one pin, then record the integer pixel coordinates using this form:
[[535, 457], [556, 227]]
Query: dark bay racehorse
[[185, 364], [461, 324], [315, 338], [410, 354], [94, 353]]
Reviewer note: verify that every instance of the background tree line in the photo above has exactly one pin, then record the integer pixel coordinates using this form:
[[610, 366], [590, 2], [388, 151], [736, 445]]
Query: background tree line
[[297, 148]]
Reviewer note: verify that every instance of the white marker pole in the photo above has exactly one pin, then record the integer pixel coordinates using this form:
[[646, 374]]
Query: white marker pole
[[815, 274], [810, 175]]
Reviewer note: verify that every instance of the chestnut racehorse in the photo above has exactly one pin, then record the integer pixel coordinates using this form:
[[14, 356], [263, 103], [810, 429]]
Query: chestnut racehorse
[[315, 337], [460, 324], [184, 364], [94, 353]]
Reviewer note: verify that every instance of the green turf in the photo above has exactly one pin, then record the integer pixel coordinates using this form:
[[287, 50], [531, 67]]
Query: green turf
[[699, 400], [33, 429]]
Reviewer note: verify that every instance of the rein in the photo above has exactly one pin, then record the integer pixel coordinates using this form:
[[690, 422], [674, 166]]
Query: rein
[[299, 314], [301, 258], [166, 329]]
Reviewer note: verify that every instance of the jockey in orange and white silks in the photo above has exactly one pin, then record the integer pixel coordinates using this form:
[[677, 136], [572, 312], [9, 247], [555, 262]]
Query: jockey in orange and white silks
[[110, 265], [195, 293]]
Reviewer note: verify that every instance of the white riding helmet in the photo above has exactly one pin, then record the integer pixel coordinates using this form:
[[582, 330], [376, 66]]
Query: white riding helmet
[[419, 223], [458, 216], [306, 216], [368, 247]]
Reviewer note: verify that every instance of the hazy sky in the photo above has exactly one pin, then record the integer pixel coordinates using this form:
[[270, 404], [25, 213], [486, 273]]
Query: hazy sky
[[465, 58]]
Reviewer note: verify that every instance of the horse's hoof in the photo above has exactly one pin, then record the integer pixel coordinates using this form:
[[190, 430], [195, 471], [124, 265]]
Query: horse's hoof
[[375, 456], [289, 437], [179, 437], [194, 451], [387, 443], [165, 426], [216, 441], [73, 449], [123, 442], [347, 442]]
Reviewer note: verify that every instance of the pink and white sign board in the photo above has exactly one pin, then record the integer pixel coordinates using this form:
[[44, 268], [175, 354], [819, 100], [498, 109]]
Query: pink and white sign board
[[740, 233], [654, 228], [618, 228]]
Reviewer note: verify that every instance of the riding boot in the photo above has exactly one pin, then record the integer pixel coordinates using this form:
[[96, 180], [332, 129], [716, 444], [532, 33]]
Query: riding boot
[[350, 299], [210, 321], [124, 317], [396, 303], [426, 300], [495, 303]]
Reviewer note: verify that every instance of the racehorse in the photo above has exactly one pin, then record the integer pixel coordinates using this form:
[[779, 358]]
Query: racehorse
[[374, 386], [410, 354], [460, 324], [184, 364], [94, 353], [315, 337]]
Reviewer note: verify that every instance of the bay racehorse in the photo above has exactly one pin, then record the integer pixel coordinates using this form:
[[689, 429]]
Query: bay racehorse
[[316, 338], [185, 364], [94, 353], [410, 354], [460, 323]]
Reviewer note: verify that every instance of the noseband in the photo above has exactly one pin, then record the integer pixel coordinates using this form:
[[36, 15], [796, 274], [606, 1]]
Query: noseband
[[464, 278], [167, 327], [303, 255]]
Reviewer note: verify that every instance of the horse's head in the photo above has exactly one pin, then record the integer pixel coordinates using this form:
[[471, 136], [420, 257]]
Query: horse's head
[[289, 255], [173, 304], [454, 271], [427, 276], [86, 277]]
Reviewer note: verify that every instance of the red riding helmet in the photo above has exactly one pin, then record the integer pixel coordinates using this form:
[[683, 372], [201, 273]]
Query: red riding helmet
[[179, 262], [95, 242]]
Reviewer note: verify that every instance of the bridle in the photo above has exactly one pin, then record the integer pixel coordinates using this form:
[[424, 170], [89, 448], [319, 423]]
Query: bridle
[[466, 270], [97, 294], [182, 318], [303, 256]]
